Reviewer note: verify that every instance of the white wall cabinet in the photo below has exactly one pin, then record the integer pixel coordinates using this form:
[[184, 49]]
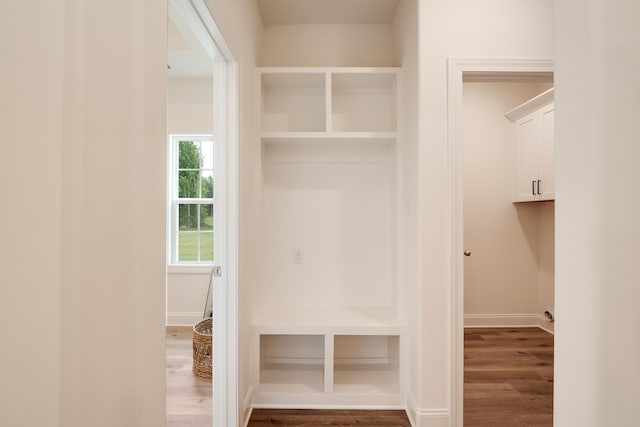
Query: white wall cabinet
[[533, 148], [327, 321]]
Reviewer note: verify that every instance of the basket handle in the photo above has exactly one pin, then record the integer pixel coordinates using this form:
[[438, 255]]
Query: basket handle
[[206, 302]]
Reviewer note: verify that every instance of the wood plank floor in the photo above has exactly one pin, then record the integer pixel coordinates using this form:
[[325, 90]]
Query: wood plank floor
[[318, 418], [189, 401], [508, 382], [508, 377]]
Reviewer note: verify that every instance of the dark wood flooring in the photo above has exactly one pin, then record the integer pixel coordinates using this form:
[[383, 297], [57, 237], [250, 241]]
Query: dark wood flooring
[[508, 377], [318, 418]]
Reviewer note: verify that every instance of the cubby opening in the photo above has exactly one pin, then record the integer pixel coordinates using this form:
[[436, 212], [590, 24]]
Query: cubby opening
[[293, 102], [366, 364], [292, 363], [363, 102]]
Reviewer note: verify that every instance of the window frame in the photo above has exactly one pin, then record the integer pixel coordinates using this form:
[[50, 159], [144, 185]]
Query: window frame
[[174, 200]]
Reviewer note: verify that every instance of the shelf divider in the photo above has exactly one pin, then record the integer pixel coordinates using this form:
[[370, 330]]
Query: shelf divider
[[328, 363], [328, 103]]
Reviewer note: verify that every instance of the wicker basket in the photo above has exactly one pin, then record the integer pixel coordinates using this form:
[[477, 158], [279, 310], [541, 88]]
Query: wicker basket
[[202, 355]]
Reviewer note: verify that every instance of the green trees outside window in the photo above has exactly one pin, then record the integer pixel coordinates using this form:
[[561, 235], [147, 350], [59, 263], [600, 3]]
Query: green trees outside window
[[194, 200]]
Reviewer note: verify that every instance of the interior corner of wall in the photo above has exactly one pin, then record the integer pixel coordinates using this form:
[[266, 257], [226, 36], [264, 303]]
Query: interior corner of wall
[[423, 417]]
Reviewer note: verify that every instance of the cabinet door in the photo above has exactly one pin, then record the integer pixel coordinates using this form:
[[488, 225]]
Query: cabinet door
[[548, 178], [528, 157]]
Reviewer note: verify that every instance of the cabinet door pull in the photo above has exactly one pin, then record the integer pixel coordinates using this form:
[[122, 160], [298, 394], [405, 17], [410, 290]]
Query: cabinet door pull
[[533, 188], [539, 187]]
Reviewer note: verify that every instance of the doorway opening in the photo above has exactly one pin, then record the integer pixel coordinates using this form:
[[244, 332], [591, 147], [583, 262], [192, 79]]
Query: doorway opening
[[201, 218], [497, 246]]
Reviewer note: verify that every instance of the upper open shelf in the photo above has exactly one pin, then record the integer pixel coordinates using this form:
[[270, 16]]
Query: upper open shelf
[[316, 102], [293, 102]]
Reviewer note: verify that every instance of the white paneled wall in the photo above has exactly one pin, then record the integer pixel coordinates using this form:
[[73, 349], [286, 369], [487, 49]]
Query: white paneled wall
[[333, 204], [597, 331], [82, 237]]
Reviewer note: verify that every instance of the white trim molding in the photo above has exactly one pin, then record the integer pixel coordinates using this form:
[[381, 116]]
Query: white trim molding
[[508, 321], [531, 105], [422, 417], [247, 407], [456, 69], [545, 324], [501, 320], [200, 19]]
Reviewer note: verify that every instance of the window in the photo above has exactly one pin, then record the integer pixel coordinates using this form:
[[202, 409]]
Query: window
[[191, 197]]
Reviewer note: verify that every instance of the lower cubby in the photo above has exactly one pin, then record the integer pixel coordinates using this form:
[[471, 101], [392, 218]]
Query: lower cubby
[[367, 364], [328, 369], [292, 363]]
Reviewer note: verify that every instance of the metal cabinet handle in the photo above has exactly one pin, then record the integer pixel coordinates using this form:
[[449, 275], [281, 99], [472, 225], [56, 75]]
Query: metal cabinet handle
[[539, 186], [467, 253], [533, 188]]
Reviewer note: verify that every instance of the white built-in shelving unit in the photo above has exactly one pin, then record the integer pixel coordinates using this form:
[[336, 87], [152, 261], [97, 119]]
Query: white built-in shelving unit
[[326, 318]]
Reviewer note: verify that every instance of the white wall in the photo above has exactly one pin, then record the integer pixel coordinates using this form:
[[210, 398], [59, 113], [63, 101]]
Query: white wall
[[187, 289], [189, 111], [597, 270], [405, 49], [471, 29], [336, 205], [31, 238], [546, 263], [327, 46], [509, 276], [190, 106], [113, 214], [86, 107]]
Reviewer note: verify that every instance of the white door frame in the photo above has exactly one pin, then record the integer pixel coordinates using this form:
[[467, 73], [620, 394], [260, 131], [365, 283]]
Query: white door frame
[[456, 68], [225, 288]]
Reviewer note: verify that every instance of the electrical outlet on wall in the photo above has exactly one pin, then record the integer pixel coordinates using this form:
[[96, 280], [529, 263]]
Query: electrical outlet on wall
[[298, 256]]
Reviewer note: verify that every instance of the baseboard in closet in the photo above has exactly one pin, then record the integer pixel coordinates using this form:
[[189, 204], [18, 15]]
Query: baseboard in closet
[[507, 321]]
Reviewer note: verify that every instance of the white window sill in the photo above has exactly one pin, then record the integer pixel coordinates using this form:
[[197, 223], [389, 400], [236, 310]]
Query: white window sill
[[189, 268]]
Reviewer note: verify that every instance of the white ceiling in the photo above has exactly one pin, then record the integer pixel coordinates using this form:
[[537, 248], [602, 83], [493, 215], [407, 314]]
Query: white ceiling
[[312, 12], [186, 56], [188, 59]]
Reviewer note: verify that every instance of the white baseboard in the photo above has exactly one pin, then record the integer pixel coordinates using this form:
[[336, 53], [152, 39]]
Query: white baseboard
[[507, 321], [499, 320], [182, 318], [420, 417], [247, 406], [544, 324]]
